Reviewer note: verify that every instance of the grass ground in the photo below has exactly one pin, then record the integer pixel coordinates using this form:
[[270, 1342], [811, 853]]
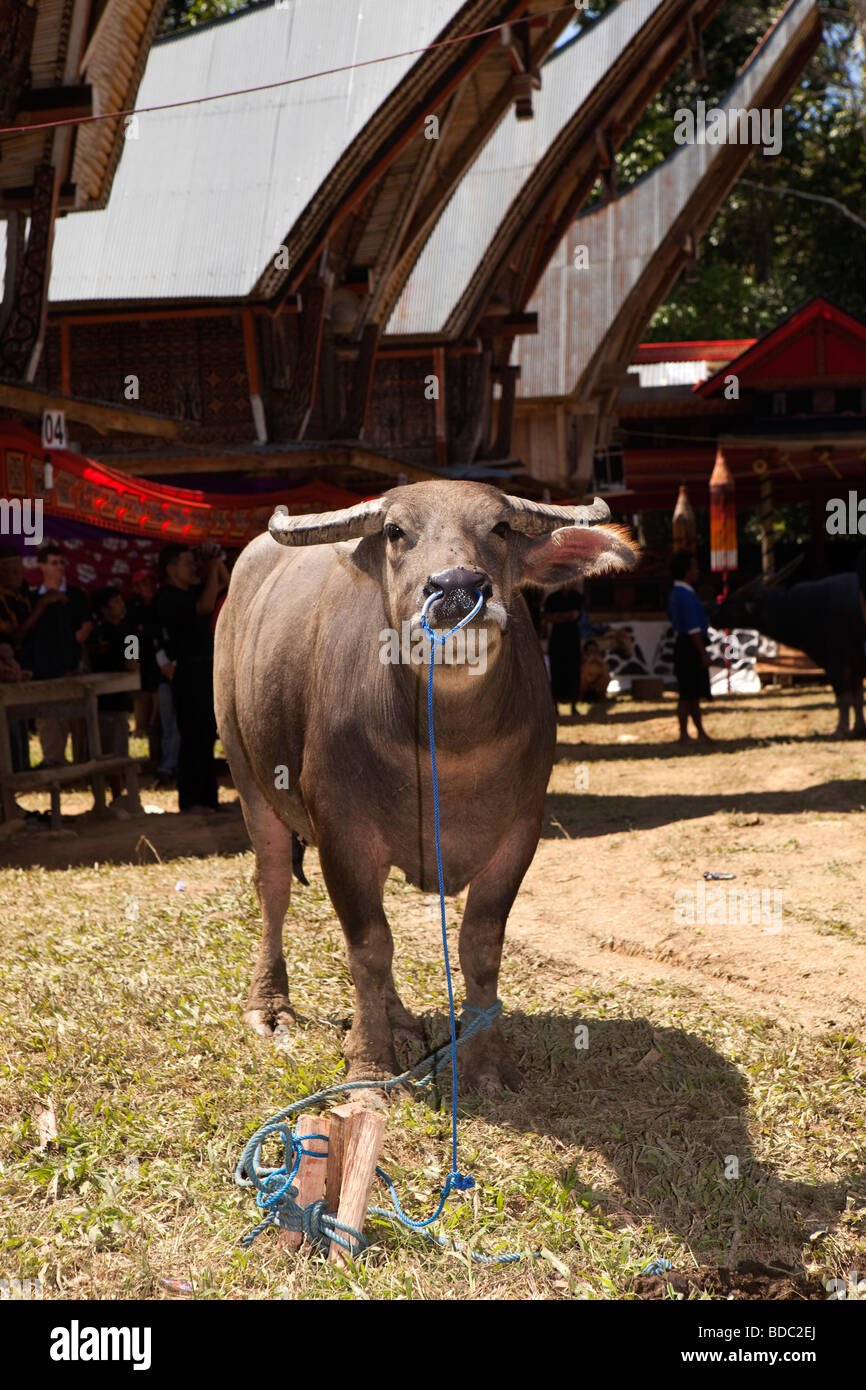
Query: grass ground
[[689, 1127]]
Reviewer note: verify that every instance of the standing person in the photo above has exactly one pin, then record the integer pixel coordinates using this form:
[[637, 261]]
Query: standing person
[[16, 620], [143, 621], [53, 645], [184, 607], [688, 619], [562, 609], [108, 648]]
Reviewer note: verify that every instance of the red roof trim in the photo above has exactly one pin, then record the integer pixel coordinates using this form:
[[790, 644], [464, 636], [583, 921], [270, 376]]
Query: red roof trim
[[790, 328], [698, 350]]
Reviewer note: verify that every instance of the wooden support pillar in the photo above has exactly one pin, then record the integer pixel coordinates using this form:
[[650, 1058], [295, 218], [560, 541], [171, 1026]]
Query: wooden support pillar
[[305, 376], [440, 414], [24, 331], [352, 426], [505, 422], [765, 518], [65, 368], [251, 357], [819, 531]]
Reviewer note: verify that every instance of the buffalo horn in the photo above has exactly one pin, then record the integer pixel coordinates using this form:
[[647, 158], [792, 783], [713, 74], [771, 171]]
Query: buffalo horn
[[365, 519], [770, 581], [775, 580], [540, 518]]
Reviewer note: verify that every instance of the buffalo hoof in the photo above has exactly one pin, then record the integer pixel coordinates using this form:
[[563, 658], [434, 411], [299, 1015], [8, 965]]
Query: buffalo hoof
[[409, 1033], [266, 1019], [489, 1072]]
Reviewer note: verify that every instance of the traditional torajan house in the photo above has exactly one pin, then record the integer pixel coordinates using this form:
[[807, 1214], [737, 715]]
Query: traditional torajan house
[[59, 59], [236, 282], [239, 312], [618, 262]]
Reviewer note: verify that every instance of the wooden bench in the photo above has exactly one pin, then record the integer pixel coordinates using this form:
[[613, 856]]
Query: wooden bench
[[53, 778], [67, 697], [786, 665]]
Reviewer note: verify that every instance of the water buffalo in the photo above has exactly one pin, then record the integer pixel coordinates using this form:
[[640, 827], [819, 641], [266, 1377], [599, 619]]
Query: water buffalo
[[822, 618], [324, 722]]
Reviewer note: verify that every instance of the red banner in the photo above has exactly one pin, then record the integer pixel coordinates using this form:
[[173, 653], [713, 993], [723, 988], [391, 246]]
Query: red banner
[[84, 491]]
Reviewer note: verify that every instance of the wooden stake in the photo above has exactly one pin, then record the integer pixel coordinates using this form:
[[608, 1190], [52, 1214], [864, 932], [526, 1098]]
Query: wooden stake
[[338, 1141], [310, 1177], [365, 1139]]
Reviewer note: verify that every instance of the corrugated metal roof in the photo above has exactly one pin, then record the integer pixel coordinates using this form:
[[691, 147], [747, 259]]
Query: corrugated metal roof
[[669, 373], [205, 195], [481, 200], [577, 306]]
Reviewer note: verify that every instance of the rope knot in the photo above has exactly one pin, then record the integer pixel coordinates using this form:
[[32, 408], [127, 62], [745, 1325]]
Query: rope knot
[[462, 1181]]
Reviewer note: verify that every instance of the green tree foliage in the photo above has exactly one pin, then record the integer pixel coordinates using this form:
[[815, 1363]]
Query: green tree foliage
[[186, 14], [768, 251]]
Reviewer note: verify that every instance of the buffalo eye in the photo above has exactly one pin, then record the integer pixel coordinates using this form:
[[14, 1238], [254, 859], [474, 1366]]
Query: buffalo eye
[[502, 529], [393, 532]]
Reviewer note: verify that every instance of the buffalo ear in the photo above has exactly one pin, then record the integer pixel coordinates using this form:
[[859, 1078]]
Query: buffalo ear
[[362, 557], [573, 552]]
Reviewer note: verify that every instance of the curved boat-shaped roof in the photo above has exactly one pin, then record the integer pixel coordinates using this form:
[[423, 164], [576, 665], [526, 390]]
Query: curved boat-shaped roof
[[590, 320], [607, 75], [205, 195]]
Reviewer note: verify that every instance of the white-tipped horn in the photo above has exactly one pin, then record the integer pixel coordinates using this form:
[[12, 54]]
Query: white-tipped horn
[[541, 518], [365, 519]]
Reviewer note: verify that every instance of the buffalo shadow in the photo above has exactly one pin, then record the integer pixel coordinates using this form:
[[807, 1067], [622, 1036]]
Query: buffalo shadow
[[669, 1115]]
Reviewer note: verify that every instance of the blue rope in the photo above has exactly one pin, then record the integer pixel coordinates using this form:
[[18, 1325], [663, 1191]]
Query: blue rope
[[462, 1182], [275, 1192]]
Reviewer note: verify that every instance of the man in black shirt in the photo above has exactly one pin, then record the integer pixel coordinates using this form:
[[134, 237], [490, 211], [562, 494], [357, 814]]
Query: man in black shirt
[[184, 607], [53, 645], [108, 648]]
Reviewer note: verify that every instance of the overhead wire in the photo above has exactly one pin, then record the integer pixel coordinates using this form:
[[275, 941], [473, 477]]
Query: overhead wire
[[284, 82]]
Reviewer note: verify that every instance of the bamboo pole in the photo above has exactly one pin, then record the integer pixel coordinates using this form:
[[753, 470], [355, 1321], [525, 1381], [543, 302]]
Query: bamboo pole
[[310, 1177]]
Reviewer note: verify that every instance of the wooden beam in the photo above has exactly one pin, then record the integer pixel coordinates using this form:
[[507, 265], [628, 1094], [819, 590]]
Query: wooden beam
[[302, 392], [502, 446], [23, 334], [439, 408], [31, 400], [251, 358], [274, 462], [509, 325], [65, 369], [38, 104], [22, 198], [352, 426]]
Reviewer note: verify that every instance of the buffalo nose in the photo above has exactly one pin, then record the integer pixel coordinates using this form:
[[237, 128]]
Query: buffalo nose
[[459, 591]]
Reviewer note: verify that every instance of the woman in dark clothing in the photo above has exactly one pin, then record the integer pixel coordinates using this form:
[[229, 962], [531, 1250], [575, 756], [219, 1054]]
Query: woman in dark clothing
[[562, 610]]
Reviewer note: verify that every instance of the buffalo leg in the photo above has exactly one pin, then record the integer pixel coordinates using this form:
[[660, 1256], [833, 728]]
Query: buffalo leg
[[485, 1063], [859, 730], [355, 882], [268, 1001], [843, 705]]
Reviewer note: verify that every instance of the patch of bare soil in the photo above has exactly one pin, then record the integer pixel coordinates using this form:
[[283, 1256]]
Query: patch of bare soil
[[159, 834], [748, 1281], [616, 888]]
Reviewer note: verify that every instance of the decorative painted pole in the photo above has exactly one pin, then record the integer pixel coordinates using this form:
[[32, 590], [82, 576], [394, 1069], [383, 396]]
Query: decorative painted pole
[[768, 540], [723, 519], [723, 532], [685, 527]]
